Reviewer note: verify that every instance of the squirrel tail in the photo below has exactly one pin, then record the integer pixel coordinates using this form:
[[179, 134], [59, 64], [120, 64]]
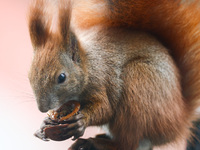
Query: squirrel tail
[[175, 23]]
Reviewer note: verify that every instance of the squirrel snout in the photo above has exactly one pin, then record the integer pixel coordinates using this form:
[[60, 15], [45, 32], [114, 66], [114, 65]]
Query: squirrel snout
[[43, 108], [43, 105]]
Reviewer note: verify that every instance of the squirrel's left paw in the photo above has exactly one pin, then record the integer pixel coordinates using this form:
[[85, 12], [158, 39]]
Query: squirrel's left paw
[[76, 127]]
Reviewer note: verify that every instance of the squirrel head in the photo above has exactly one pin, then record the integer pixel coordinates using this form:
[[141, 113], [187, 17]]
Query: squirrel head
[[57, 74]]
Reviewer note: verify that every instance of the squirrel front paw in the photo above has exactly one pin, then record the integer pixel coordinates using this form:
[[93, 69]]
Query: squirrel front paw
[[76, 126], [83, 144], [47, 123], [72, 127]]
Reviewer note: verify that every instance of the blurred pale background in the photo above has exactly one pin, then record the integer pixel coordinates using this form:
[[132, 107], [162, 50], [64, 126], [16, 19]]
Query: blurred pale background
[[19, 116]]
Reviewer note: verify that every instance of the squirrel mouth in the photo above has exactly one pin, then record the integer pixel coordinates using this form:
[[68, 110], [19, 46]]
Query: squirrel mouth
[[66, 111]]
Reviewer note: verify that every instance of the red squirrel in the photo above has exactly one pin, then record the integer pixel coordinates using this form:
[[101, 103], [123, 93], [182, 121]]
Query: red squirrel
[[133, 66]]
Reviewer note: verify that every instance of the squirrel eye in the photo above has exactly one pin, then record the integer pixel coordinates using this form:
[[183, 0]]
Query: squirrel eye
[[61, 78]]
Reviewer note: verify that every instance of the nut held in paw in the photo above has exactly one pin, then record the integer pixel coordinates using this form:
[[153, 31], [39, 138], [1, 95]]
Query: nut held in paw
[[65, 111], [53, 129]]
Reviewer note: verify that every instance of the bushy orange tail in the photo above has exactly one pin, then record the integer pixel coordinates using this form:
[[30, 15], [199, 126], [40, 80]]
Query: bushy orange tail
[[176, 24]]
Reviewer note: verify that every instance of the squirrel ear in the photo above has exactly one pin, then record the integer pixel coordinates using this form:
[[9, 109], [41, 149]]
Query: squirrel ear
[[39, 24], [69, 40], [64, 16]]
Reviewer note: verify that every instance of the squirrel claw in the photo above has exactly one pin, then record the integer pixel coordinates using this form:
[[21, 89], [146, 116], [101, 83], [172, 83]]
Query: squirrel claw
[[40, 134]]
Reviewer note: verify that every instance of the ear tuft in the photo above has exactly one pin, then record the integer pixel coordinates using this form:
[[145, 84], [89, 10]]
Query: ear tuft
[[39, 23], [64, 17]]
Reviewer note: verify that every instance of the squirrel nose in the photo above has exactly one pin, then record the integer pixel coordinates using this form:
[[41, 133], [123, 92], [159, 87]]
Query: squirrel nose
[[43, 104], [43, 108]]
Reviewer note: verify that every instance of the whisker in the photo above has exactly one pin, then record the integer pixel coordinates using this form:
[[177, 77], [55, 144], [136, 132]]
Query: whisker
[[22, 102]]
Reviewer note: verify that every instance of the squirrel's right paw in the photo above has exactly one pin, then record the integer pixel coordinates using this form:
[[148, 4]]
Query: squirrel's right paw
[[47, 122], [50, 130]]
